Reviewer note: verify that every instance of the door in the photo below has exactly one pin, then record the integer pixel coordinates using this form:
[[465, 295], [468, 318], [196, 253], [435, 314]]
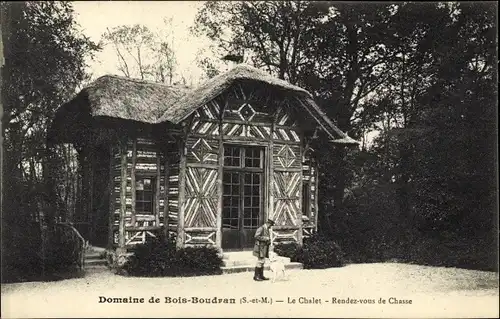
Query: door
[[242, 209]]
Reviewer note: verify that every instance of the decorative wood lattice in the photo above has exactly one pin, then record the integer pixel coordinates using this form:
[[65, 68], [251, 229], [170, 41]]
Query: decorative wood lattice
[[137, 237], [210, 111], [288, 235], [200, 208], [200, 238], [286, 156], [286, 198], [307, 232], [203, 151]]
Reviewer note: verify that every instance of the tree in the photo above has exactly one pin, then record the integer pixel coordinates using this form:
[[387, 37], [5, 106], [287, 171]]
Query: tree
[[336, 51], [271, 34], [455, 184], [44, 63], [143, 53]]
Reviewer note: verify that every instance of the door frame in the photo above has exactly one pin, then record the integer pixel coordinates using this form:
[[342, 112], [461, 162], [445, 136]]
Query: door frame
[[265, 187]]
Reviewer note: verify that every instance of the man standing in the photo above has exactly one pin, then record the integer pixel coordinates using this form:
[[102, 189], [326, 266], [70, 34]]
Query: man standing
[[261, 249]]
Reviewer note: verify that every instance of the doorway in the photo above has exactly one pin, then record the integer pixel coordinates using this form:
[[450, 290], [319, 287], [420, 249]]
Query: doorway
[[243, 196]]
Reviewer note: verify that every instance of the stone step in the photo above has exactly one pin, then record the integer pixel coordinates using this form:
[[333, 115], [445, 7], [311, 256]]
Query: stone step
[[249, 261], [96, 269], [93, 255], [95, 262], [248, 268]]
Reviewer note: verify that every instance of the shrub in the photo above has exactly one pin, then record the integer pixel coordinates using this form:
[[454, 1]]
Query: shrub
[[317, 252], [24, 259], [161, 258], [290, 250], [63, 250]]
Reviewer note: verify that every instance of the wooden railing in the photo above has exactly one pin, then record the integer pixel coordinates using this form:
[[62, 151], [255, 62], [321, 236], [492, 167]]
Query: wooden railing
[[81, 248]]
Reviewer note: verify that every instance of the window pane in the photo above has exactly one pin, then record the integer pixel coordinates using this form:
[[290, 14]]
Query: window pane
[[231, 156], [248, 162], [235, 178], [256, 190], [248, 178], [235, 189], [306, 199], [144, 195]]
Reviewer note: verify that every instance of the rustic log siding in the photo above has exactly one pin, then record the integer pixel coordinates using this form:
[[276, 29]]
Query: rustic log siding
[[148, 163]]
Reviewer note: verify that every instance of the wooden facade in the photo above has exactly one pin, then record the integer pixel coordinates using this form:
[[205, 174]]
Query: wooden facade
[[243, 156], [188, 181]]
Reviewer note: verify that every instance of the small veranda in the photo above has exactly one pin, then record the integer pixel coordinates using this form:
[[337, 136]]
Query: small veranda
[[207, 165]]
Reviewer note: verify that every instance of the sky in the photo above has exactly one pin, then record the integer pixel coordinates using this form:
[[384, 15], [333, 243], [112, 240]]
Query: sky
[[95, 17]]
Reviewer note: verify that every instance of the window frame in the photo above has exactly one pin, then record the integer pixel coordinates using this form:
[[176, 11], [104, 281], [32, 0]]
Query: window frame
[[139, 211], [306, 198], [242, 169]]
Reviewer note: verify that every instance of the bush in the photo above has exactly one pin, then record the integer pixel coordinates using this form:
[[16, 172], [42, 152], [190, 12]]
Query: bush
[[159, 258], [23, 258], [290, 250], [63, 250], [317, 252]]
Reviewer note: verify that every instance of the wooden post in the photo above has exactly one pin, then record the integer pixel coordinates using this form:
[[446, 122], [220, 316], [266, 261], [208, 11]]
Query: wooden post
[[123, 193], [270, 181], [90, 203], [316, 187], [218, 232], [300, 233], [165, 197], [112, 198], [182, 188], [157, 189], [132, 180]]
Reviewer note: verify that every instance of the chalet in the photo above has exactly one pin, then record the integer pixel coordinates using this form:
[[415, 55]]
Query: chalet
[[208, 164]]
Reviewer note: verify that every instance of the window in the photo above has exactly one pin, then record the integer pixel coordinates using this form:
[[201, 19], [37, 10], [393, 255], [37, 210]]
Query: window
[[232, 156], [242, 187], [306, 199], [144, 195], [242, 157]]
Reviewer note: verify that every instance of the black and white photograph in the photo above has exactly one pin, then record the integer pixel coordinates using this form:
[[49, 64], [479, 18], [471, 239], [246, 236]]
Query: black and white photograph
[[249, 159]]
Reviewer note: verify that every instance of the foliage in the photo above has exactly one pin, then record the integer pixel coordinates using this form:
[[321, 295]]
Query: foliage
[[21, 246], [28, 258], [161, 258], [317, 252], [143, 53], [44, 65], [287, 249]]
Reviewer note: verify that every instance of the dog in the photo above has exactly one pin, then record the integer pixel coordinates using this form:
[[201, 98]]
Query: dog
[[277, 266]]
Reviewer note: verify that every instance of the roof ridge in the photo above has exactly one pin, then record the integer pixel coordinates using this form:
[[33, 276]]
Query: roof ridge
[[141, 81]]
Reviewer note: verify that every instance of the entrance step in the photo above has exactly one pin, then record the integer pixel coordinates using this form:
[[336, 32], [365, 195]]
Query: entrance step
[[243, 261], [248, 268], [95, 260]]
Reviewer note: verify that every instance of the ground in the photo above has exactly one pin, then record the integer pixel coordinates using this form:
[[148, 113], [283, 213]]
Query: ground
[[433, 291]]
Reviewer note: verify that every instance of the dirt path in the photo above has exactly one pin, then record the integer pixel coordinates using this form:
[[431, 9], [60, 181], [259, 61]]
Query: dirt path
[[433, 291]]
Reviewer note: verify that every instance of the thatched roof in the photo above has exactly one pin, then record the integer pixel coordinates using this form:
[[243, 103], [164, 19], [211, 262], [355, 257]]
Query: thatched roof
[[149, 102], [131, 99], [201, 95]]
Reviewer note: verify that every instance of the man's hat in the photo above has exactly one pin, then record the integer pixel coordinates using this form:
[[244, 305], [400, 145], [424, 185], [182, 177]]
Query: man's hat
[[270, 221]]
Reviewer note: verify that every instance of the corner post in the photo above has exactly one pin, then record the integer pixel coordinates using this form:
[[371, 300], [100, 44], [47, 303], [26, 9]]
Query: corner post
[[123, 192], [182, 190], [218, 234]]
